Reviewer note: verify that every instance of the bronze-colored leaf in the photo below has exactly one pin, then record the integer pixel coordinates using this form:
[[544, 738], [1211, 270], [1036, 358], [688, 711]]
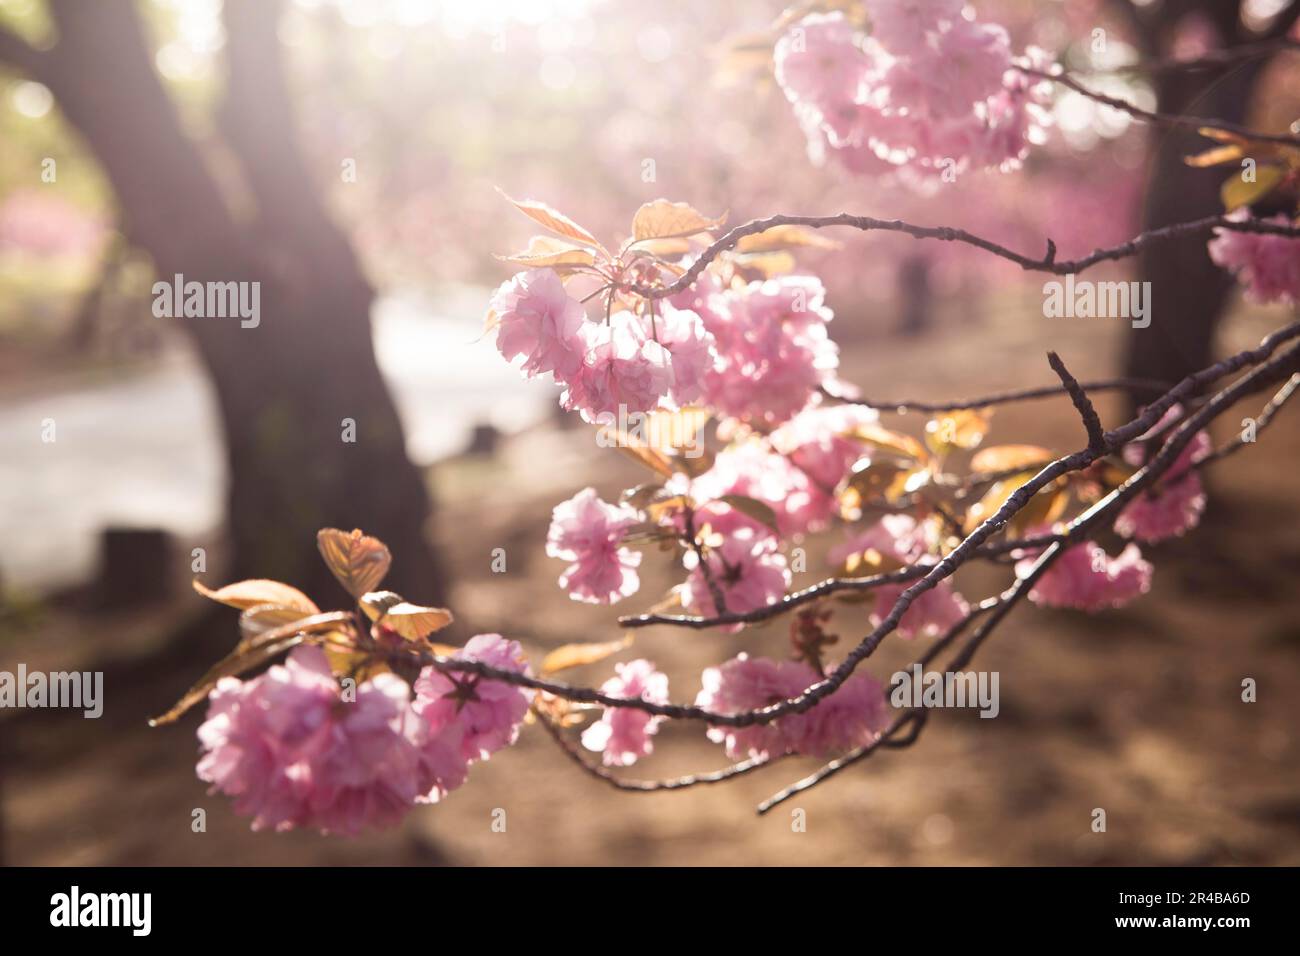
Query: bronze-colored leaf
[[575, 655], [963, 429], [760, 511], [1216, 156], [779, 262], [661, 219], [249, 654], [786, 237], [414, 622], [1042, 509], [904, 445], [376, 603], [1006, 457], [553, 220], [1237, 191], [547, 251], [654, 460], [246, 594], [357, 560], [260, 618]]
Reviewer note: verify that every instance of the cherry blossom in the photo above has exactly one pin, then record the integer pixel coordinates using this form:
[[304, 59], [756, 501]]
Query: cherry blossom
[[623, 735], [1268, 266], [484, 714], [589, 532], [293, 754], [620, 368], [743, 562], [1087, 578], [538, 320]]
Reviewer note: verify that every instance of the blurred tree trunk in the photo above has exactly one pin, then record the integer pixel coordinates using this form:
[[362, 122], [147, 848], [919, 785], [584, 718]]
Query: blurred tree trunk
[[1189, 290], [285, 387]]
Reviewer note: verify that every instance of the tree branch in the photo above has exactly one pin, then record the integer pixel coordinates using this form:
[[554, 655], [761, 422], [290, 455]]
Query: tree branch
[[1048, 263], [1082, 404]]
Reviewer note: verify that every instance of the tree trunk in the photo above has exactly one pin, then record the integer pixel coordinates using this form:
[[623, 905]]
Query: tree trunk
[[285, 387], [1189, 291]]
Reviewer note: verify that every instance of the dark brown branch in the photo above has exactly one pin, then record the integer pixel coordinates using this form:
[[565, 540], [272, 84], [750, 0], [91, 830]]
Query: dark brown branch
[[1160, 119], [1047, 263], [1014, 395], [1082, 404], [1262, 421], [604, 775]]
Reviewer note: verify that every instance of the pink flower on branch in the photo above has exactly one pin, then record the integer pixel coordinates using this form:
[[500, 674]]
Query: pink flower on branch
[[540, 322], [850, 717], [482, 714], [589, 533], [1175, 503], [1085, 577], [623, 734]]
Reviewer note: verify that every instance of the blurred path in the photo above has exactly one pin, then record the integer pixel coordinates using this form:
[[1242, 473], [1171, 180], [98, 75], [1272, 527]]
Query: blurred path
[[144, 448]]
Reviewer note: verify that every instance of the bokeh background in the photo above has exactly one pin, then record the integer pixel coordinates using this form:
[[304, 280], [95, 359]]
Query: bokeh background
[[347, 153]]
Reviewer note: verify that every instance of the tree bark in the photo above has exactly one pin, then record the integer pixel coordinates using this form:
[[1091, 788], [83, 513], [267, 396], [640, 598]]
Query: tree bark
[[1189, 291], [285, 387]]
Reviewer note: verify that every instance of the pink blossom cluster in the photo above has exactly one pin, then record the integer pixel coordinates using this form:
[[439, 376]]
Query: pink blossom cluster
[[1085, 577], [294, 752], [1268, 266], [622, 734], [742, 563], [850, 717], [589, 533], [772, 348], [756, 352], [1176, 502], [926, 89]]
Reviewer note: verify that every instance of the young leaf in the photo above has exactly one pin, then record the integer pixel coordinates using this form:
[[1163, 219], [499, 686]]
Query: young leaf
[[662, 219], [260, 618], [251, 653], [246, 594], [547, 251], [1216, 156], [575, 655], [414, 622], [952, 430], [904, 445], [1005, 457], [554, 220], [357, 560], [760, 511], [1236, 192], [786, 236]]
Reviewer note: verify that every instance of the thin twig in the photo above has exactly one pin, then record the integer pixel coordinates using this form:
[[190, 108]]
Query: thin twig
[[1176, 120], [1082, 404], [1047, 263]]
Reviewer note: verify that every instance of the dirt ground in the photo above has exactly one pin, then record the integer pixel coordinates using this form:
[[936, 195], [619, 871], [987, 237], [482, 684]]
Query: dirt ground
[[1137, 711]]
